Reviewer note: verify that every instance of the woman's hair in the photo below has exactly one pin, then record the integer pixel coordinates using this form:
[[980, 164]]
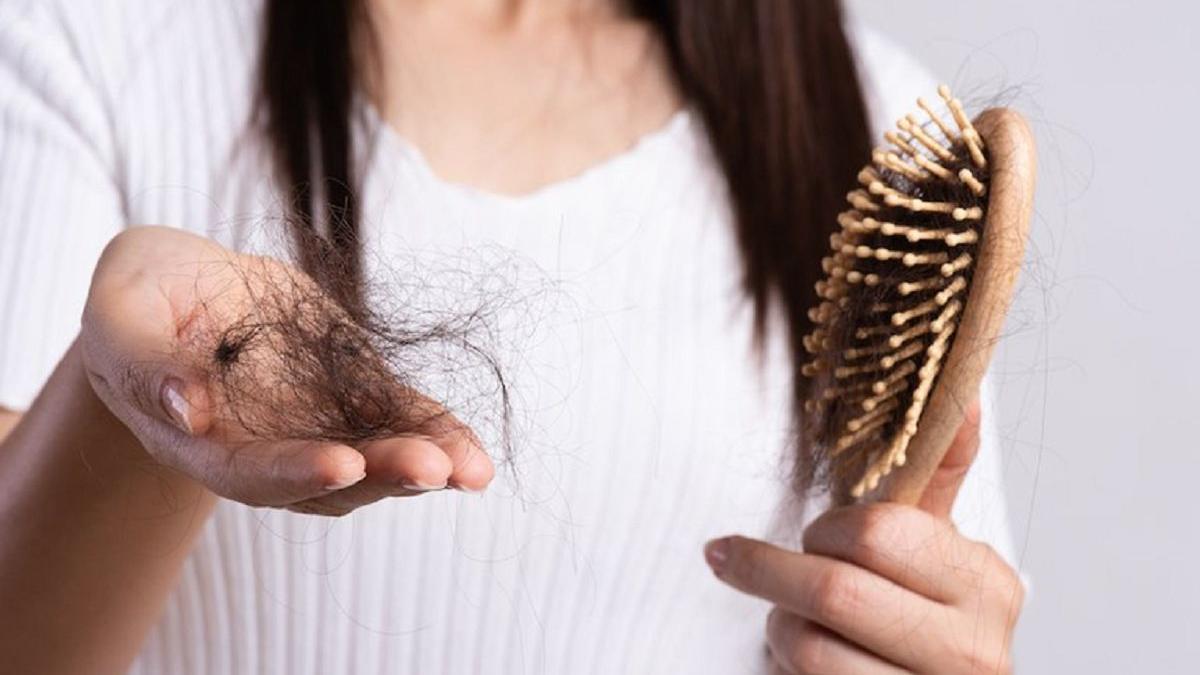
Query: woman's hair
[[774, 81]]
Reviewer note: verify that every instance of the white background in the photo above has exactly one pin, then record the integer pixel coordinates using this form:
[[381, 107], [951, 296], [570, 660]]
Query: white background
[[1099, 386]]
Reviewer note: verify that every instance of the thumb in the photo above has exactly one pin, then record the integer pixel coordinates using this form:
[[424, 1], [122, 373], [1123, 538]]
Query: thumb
[[942, 490], [184, 404], [158, 399], [155, 397]]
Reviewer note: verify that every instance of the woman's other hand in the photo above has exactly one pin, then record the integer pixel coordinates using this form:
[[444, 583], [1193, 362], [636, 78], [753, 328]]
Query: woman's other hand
[[884, 588], [152, 287]]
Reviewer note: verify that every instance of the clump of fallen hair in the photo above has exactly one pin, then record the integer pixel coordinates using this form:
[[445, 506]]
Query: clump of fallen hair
[[284, 359]]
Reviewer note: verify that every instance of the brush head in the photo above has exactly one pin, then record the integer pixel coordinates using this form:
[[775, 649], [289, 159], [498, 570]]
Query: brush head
[[918, 280]]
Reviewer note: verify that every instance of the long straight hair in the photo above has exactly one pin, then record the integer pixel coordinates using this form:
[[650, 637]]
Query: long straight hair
[[774, 81]]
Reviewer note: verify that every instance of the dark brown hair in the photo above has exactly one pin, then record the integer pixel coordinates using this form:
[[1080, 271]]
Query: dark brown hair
[[774, 81]]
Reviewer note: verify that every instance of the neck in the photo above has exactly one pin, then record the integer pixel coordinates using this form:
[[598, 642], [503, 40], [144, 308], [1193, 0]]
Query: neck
[[509, 95], [505, 13]]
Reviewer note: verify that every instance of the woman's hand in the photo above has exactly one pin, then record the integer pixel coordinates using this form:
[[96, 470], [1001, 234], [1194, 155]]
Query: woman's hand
[[152, 290], [884, 588]]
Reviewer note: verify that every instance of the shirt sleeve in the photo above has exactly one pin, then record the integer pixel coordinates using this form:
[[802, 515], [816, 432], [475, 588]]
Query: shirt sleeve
[[59, 201], [892, 80]]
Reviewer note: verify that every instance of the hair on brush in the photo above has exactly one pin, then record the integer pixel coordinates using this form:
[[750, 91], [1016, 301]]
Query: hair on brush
[[918, 282]]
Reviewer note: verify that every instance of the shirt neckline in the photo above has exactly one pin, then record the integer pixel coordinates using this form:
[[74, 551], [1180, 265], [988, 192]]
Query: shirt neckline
[[393, 144]]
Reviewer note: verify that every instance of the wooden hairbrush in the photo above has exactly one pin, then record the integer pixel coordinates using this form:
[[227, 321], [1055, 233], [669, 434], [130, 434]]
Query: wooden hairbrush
[[917, 286]]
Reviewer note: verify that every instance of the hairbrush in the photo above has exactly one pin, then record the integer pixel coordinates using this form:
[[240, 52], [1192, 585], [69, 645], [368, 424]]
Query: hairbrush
[[918, 282]]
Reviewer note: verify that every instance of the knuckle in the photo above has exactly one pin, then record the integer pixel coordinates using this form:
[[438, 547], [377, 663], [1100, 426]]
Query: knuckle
[[884, 530], [1010, 587], [1004, 581], [837, 595], [811, 653], [988, 554], [975, 558], [882, 525], [1003, 570]]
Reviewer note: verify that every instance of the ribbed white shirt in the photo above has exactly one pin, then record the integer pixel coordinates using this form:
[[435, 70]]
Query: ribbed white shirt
[[645, 424]]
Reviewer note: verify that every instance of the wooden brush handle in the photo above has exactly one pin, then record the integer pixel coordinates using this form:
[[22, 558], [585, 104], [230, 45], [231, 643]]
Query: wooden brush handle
[[1013, 171]]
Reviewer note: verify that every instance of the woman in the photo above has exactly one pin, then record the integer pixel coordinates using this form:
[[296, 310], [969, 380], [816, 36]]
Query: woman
[[671, 168]]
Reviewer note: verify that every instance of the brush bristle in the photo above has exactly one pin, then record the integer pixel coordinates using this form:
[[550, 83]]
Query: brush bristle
[[897, 280]]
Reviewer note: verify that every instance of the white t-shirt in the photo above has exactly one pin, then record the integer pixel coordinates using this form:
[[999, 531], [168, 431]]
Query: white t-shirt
[[645, 424]]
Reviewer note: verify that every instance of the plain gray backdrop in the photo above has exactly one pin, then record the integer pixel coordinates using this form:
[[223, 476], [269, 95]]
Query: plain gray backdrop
[[1099, 382]]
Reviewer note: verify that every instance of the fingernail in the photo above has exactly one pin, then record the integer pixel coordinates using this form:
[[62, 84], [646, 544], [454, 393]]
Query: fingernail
[[716, 553], [421, 487], [470, 491], [346, 481], [175, 405], [350, 470]]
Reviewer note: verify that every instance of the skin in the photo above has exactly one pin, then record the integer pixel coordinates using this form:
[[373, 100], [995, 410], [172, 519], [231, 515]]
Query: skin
[[520, 94], [106, 479], [883, 588]]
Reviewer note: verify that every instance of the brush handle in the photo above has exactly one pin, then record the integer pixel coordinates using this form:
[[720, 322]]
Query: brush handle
[[1013, 157]]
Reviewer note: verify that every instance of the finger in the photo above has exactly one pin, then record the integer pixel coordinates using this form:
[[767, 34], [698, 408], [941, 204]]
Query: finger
[[802, 647], [154, 395], [396, 467], [939, 495], [904, 544], [275, 473], [472, 467], [864, 608]]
